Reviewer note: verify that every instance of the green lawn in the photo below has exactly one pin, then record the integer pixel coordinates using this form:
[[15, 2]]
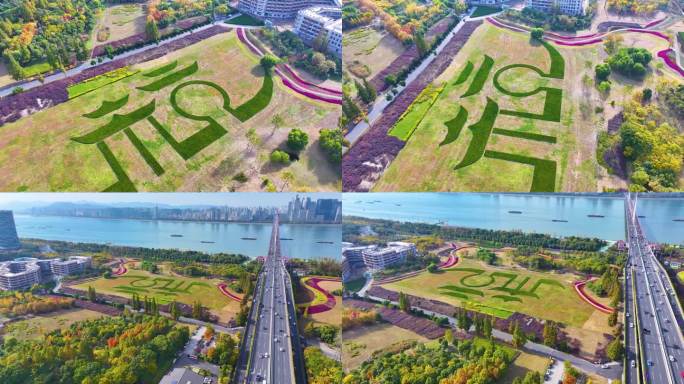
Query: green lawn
[[501, 291], [484, 11], [37, 69], [164, 288], [211, 141], [355, 285], [452, 149], [41, 324], [246, 20]]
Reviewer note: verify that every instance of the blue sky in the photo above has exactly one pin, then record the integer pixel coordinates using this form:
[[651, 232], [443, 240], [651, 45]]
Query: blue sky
[[247, 199]]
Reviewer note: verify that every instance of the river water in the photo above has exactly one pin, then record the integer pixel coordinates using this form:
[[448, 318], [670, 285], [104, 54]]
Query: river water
[[309, 241], [491, 211]]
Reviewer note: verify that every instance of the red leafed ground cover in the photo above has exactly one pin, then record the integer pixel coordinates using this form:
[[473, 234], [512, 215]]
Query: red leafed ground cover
[[330, 303], [579, 288], [224, 291], [295, 82]]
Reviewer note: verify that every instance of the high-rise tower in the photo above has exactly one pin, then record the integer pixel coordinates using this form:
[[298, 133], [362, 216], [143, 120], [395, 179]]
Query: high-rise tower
[[8, 232]]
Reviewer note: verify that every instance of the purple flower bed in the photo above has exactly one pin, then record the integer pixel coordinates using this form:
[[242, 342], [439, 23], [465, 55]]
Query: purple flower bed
[[364, 162], [137, 39], [14, 107], [404, 60]]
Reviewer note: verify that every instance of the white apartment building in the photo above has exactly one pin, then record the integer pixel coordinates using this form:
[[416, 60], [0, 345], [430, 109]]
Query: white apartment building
[[23, 272], [70, 266], [280, 9], [377, 259], [569, 7], [314, 21], [16, 275]]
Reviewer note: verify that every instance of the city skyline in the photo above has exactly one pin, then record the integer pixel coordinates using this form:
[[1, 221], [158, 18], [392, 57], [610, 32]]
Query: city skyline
[[233, 199]]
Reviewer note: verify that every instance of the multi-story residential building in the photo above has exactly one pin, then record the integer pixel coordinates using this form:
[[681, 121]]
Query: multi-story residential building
[[280, 9], [8, 232], [491, 3], [23, 272], [70, 266], [377, 259], [321, 21], [570, 7], [15, 275]]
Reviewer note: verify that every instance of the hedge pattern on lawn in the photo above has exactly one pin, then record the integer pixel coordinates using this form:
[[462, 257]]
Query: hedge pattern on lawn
[[544, 178], [12, 108], [455, 126], [170, 79], [552, 107], [257, 103], [480, 77], [99, 81], [107, 107], [415, 113], [476, 281], [162, 70], [144, 152], [465, 73], [525, 135], [123, 183], [118, 123], [481, 132], [193, 144]]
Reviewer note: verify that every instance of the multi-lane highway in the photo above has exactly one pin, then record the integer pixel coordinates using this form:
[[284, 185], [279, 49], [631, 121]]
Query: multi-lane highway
[[271, 350], [656, 316]]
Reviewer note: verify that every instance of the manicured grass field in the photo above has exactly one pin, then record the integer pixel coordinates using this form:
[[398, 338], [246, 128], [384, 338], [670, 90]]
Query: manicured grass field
[[99, 81], [501, 291], [423, 164], [39, 152], [355, 285], [525, 362], [484, 11], [164, 288], [246, 20], [368, 51], [41, 324], [360, 343]]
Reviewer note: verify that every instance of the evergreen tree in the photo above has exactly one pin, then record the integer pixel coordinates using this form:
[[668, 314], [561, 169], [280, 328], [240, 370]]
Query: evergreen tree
[[151, 30], [13, 67], [550, 333], [370, 90]]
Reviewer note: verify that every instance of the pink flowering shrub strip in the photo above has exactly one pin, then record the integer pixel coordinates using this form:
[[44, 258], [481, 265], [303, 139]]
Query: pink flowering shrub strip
[[224, 291], [579, 288], [330, 303]]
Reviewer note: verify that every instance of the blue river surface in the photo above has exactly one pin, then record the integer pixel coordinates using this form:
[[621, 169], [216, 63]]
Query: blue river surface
[[309, 241], [491, 211]]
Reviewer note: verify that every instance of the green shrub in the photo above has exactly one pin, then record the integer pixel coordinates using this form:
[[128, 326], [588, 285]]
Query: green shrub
[[280, 157], [240, 177], [331, 141], [297, 139]]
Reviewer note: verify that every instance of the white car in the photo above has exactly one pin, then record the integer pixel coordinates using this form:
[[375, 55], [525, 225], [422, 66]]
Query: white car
[[672, 359], [631, 325]]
